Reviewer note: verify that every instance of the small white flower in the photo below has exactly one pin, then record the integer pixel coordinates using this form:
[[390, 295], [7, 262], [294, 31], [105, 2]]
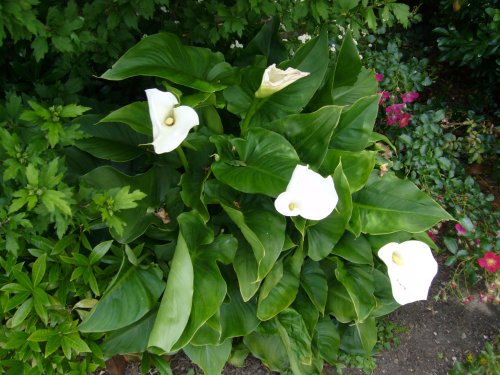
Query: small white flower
[[308, 194], [411, 268], [340, 37], [304, 38], [236, 44], [171, 123], [275, 79], [332, 48]]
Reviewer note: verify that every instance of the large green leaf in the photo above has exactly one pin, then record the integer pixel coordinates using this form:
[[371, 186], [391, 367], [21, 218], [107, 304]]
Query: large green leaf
[[359, 338], [246, 269], [137, 219], [309, 133], [209, 285], [344, 73], [357, 166], [388, 204], [264, 162], [322, 236], [358, 281], [339, 303], [135, 115], [237, 317], [356, 250], [269, 349], [130, 339], [313, 280], [164, 56], [135, 292], [266, 42], [257, 219], [192, 179], [175, 307], [365, 85], [328, 340], [210, 358], [112, 141], [296, 339], [383, 292], [311, 57], [356, 125], [280, 287], [309, 312]]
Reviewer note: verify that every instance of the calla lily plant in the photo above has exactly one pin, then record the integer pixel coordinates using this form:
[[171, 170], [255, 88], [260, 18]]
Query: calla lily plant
[[264, 234]]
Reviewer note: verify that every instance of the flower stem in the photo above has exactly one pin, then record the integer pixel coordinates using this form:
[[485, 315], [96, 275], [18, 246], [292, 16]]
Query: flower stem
[[254, 107], [183, 158]]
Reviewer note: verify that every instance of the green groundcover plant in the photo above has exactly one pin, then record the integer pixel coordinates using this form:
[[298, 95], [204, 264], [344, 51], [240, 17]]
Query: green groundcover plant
[[259, 220]]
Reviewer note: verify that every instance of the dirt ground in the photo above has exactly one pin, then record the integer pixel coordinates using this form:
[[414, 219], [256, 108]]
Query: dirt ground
[[438, 333]]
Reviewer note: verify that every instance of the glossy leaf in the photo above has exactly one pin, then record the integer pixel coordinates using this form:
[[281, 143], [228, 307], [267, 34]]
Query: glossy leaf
[[328, 339], [365, 85], [210, 358], [130, 339], [164, 56], [192, 179], [134, 293], [388, 204], [344, 73], [269, 349], [296, 339], [358, 281], [135, 115], [237, 318], [339, 303], [278, 292], [264, 162], [246, 269], [356, 250], [359, 338], [257, 219], [323, 235], [357, 166], [383, 293], [356, 125], [112, 141], [209, 287], [311, 57], [175, 307], [313, 280], [309, 133]]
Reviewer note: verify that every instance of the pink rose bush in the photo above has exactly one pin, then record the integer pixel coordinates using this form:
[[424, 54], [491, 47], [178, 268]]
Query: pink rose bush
[[396, 112]]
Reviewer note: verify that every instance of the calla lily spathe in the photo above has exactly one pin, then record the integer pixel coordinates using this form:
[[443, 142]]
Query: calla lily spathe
[[275, 79], [171, 123], [411, 268], [308, 194]]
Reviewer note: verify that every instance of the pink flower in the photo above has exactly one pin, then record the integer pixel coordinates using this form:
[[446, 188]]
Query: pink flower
[[394, 108], [393, 118], [460, 229], [432, 235], [384, 97], [490, 261], [477, 242], [379, 77], [404, 120], [409, 97]]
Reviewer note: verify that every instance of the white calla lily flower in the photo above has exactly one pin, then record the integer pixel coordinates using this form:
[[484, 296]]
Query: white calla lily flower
[[171, 123], [275, 79], [308, 194], [411, 268]]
